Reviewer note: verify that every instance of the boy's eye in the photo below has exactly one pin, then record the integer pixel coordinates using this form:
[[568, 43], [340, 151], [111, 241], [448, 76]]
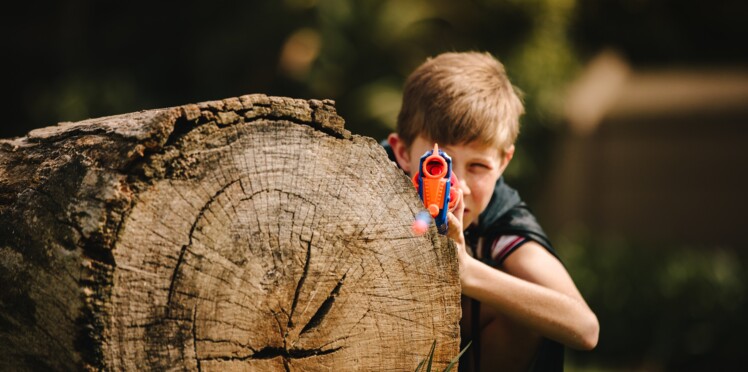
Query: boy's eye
[[479, 166]]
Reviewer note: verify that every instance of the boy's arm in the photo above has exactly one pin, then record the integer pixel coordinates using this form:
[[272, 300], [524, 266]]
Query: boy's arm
[[536, 290]]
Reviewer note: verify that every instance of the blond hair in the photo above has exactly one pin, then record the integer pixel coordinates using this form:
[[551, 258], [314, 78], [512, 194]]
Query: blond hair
[[457, 98]]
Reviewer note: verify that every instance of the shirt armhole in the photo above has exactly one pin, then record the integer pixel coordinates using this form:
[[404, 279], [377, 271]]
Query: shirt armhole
[[504, 245]]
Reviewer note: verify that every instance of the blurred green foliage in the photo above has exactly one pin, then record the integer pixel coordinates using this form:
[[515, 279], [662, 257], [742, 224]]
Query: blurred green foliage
[[660, 307], [76, 59], [84, 58]]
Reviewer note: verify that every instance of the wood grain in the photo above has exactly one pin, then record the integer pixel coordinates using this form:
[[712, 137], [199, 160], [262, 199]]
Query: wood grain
[[252, 233]]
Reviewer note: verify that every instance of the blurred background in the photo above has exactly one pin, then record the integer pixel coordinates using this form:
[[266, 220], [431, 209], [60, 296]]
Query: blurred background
[[632, 151]]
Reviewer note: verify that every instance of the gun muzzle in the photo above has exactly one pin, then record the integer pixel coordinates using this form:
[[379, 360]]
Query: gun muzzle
[[435, 166]]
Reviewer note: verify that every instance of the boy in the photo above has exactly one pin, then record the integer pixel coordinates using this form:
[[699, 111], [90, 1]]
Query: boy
[[519, 303]]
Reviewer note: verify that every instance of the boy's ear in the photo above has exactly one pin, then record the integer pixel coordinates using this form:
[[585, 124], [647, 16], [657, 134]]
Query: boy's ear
[[506, 157], [401, 151]]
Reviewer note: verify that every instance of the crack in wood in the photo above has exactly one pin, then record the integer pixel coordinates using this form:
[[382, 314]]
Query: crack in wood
[[174, 279], [301, 282], [274, 352], [194, 336], [280, 327], [270, 352], [250, 115], [324, 308], [318, 122], [181, 127], [276, 117]]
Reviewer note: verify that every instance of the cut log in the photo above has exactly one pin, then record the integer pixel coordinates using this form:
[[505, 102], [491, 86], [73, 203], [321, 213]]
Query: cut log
[[251, 233]]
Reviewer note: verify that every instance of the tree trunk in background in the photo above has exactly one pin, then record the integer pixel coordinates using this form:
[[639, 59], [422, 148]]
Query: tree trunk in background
[[249, 233]]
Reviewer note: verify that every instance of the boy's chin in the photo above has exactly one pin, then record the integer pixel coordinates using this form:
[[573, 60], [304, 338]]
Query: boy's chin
[[466, 221]]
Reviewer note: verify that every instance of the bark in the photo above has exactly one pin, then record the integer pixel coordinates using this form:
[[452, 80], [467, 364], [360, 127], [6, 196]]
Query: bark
[[249, 233]]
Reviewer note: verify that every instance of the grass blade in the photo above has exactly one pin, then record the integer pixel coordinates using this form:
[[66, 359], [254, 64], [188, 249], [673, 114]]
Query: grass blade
[[431, 356], [455, 359]]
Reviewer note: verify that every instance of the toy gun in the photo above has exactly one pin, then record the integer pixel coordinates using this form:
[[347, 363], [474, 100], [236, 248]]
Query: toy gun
[[437, 186]]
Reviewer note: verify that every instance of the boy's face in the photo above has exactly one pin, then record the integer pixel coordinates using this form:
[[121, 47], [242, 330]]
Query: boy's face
[[477, 166]]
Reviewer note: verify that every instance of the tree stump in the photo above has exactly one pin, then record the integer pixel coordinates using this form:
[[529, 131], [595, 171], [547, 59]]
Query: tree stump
[[250, 233]]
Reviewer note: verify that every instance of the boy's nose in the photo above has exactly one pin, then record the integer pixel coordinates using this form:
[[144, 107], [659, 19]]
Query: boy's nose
[[464, 186], [457, 170]]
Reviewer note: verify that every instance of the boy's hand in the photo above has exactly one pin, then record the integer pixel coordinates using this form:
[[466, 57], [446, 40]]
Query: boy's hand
[[455, 232]]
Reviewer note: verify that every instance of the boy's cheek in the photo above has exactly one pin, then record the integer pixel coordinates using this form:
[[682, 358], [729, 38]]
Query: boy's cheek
[[413, 166], [476, 204]]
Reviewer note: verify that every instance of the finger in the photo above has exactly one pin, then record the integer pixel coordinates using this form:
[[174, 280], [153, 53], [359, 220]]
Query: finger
[[454, 230], [454, 221], [460, 207]]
